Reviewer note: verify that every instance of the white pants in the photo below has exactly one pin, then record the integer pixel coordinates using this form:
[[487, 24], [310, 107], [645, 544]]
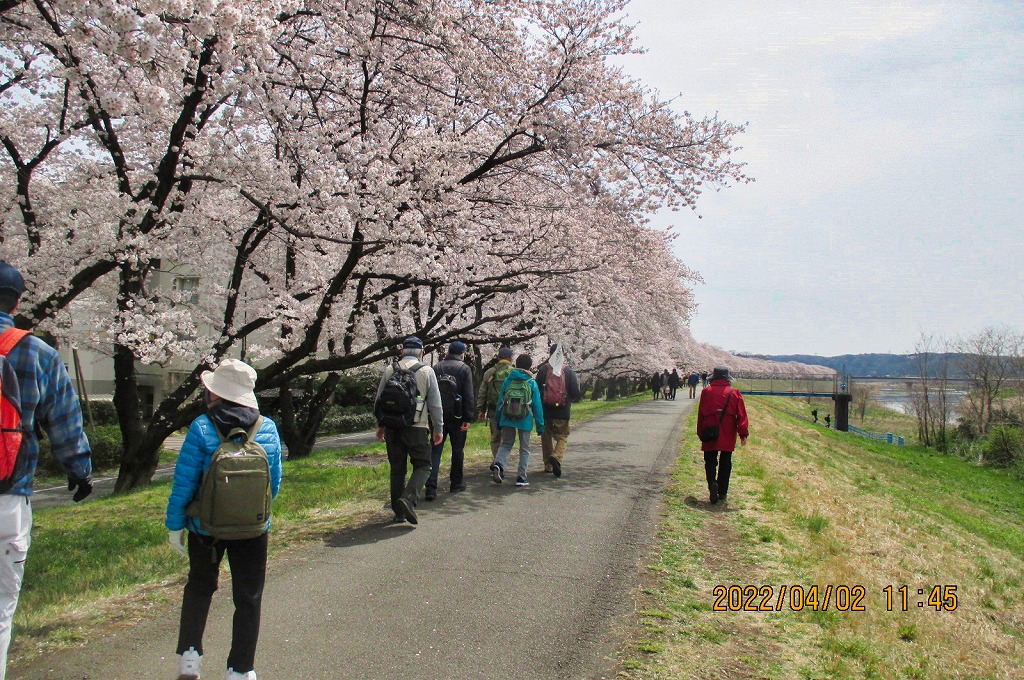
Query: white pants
[[15, 537]]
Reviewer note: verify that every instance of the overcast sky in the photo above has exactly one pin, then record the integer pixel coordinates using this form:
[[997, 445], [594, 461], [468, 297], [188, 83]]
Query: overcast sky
[[885, 139]]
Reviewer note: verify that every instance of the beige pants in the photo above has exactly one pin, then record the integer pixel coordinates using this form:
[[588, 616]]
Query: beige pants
[[495, 436], [554, 441]]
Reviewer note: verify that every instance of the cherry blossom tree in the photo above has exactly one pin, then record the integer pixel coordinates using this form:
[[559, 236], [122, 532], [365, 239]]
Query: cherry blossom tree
[[340, 174]]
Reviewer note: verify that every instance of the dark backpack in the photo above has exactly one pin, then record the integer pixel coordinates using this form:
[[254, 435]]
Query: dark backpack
[[515, 405], [555, 391], [12, 453], [234, 497], [501, 372], [451, 396], [396, 406]]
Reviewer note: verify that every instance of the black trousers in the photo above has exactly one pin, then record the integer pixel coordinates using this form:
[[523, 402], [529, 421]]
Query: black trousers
[[408, 445], [458, 438], [247, 559], [722, 460]]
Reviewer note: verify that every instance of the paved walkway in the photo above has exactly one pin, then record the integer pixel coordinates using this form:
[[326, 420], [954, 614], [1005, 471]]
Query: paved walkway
[[495, 582]]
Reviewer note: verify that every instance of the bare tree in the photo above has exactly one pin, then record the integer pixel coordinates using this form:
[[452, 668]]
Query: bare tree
[[988, 359]]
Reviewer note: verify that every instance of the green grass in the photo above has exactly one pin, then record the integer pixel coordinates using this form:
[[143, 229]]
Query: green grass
[[814, 506], [87, 561]]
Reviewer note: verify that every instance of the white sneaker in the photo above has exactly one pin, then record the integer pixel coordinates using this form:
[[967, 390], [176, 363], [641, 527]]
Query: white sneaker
[[232, 675], [188, 667]]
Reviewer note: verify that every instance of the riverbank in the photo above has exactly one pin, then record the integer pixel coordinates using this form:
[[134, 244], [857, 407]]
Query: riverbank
[[814, 507]]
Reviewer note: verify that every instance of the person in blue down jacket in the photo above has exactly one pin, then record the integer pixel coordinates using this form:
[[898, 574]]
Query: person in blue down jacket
[[522, 425], [231, 403]]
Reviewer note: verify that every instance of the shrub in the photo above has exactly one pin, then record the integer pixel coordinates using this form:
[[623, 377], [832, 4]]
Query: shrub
[[103, 413], [357, 388], [1004, 446], [105, 441], [352, 419]]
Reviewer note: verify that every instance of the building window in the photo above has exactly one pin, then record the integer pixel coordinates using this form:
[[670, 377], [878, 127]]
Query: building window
[[188, 286], [175, 378]]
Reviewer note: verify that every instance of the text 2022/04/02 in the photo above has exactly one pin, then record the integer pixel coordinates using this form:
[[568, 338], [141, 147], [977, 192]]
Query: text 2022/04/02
[[749, 598]]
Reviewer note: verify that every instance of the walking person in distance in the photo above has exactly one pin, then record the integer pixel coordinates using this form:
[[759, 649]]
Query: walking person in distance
[[487, 394], [721, 418], [559, 388], [455, 384], [208, 516], [519, 411], [408, 409], [656, 384]]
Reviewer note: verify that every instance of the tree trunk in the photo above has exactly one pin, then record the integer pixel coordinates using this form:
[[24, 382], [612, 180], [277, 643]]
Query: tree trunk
[[613, 389], [137, 465], [301, 417]]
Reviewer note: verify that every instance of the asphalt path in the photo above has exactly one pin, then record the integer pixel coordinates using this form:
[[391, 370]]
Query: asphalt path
[[103, 485], [494, 582]]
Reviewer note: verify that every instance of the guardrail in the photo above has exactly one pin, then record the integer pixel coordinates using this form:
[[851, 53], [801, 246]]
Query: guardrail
[[888, 437]]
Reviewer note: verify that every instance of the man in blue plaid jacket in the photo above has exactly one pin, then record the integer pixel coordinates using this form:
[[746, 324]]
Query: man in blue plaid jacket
[[47, 399]]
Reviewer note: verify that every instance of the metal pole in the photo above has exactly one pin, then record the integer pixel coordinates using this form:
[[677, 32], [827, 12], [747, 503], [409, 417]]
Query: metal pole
[[81, 386]]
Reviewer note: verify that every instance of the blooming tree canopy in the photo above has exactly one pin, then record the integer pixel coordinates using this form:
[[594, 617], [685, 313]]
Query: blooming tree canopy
[[339, 174]]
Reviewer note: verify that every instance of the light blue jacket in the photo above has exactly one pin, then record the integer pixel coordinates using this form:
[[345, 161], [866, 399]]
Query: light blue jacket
[[536, 411], [194, 459]]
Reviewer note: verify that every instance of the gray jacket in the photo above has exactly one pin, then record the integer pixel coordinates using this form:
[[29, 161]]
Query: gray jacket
[[426, 384]]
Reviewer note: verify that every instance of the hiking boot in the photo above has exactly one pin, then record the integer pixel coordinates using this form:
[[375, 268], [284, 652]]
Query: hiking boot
[[235, 675], [713, 491], [556, 467], [521, 481], [497, 473], [431, 494], [409, 510], [188, 667], [456, 489]]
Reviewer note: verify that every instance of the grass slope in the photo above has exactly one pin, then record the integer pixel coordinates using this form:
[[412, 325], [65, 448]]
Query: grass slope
[[809, 506], [106, 562]]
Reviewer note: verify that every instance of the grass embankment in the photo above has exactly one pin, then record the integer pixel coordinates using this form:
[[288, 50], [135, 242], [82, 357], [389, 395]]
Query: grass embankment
[[106, 561], [809, 506]]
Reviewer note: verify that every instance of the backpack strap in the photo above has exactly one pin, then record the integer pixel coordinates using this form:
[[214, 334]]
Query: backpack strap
[[11, 337], [725, 407]]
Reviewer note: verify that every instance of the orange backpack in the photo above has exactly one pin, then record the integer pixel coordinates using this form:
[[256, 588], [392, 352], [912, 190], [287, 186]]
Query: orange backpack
[[11, 433]]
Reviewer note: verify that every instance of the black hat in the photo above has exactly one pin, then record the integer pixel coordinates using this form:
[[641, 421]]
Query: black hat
[[721, 373]]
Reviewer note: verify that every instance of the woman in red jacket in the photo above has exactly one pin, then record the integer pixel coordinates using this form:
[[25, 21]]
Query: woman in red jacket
[[722, 406]]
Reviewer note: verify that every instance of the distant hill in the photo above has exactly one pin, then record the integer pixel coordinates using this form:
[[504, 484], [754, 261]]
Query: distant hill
[[871, 365]]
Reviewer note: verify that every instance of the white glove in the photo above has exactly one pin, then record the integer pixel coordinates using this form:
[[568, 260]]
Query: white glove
[[177, 541]]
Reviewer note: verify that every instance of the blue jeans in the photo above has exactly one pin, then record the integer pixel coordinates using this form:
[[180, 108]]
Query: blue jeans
[[508, 438]]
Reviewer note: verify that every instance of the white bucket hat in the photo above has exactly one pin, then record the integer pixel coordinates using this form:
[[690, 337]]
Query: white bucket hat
[[234, 381]]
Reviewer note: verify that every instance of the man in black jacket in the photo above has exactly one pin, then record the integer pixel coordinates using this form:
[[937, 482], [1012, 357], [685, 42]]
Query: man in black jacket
[[559, 387], [455, 380]]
